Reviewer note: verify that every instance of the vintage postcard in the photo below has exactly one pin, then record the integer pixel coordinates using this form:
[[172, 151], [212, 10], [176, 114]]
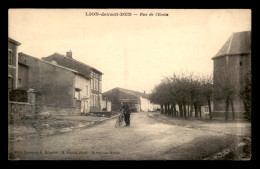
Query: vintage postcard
[[129, 84]]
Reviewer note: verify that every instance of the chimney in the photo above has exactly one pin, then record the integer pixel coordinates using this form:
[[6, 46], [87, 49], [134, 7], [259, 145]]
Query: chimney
[[144, 92], [69, 54]]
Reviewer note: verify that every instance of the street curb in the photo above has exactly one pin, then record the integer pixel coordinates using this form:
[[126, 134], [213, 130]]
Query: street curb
[[96, 122]]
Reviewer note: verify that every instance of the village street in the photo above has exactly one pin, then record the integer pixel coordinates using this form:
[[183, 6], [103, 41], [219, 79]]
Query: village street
[[146, 139]]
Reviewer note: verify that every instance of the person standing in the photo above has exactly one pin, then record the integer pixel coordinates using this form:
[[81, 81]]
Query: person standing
[[126, 111]]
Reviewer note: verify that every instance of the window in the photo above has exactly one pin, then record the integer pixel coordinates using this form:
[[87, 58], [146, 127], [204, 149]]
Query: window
[[77, 94], [92, 100], [19, 82], [87, 90], [206, 109], [240, 63], [95, 84], [92, 84], [11, 59], [100, 86], [96, 100]]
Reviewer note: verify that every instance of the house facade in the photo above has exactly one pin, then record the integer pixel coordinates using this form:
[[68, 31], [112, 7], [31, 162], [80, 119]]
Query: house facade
[[88, 86], [138, 101], [231, 64]]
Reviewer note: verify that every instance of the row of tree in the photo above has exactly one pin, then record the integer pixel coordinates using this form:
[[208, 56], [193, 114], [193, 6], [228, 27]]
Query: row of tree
[[190, 92]]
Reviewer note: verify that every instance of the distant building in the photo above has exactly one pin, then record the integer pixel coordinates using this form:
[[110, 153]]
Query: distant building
[[106, 104], [235, 58], [90, 79], [12, 63], [138, 101]]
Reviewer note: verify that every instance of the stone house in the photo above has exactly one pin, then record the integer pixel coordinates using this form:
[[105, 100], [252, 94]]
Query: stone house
[[59, 89], [234, 61], [91, 80], [138, 101]]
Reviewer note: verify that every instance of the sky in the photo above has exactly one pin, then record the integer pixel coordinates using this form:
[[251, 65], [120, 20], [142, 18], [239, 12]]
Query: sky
[[133, 52]]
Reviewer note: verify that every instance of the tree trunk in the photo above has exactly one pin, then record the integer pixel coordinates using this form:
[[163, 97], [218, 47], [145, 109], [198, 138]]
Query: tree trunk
[[196, 110], [165, 108], [210, 114], [227, 108], [232, 109], [169, 110], [184, 107], [174, 110], [161, 108], [191, 111], [180, 110], [200, 110]]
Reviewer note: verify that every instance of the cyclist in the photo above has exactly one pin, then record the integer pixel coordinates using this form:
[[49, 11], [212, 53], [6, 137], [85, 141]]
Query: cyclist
[[126, 112]]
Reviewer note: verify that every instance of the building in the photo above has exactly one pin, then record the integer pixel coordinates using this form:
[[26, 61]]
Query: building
[[138, 101], [59, 89], [90, 74], [12, 64], [231, 64]]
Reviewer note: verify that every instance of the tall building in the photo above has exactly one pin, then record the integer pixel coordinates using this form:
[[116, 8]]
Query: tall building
[[231, 64], [12, 63]]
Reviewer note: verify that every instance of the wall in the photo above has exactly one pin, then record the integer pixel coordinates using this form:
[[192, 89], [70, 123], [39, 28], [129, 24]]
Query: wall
[[18, 110], [82, 83], [58, 110]]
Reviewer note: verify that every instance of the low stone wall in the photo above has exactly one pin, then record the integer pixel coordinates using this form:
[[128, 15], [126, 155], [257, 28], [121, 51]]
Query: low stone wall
[[19, 110], [58, 110]]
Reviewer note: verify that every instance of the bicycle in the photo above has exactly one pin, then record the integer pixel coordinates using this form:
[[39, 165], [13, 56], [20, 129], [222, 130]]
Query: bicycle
[[120, 120]]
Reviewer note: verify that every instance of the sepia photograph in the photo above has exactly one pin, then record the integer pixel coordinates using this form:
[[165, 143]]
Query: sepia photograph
[[129, 84]]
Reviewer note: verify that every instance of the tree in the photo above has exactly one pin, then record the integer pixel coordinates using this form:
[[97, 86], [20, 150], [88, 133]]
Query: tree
[[245, 93], [207, 91], [225, 90]]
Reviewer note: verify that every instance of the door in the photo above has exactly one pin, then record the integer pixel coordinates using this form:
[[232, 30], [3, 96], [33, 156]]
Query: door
[[78, 106]]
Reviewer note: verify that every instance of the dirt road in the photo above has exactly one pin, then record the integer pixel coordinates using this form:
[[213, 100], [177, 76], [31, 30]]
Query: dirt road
[[145, 139]]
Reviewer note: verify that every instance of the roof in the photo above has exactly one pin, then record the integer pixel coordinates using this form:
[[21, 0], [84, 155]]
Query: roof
[[238, 43], [138, 94], [20, 60], [123, 94], [14, 41], [75, 64]]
